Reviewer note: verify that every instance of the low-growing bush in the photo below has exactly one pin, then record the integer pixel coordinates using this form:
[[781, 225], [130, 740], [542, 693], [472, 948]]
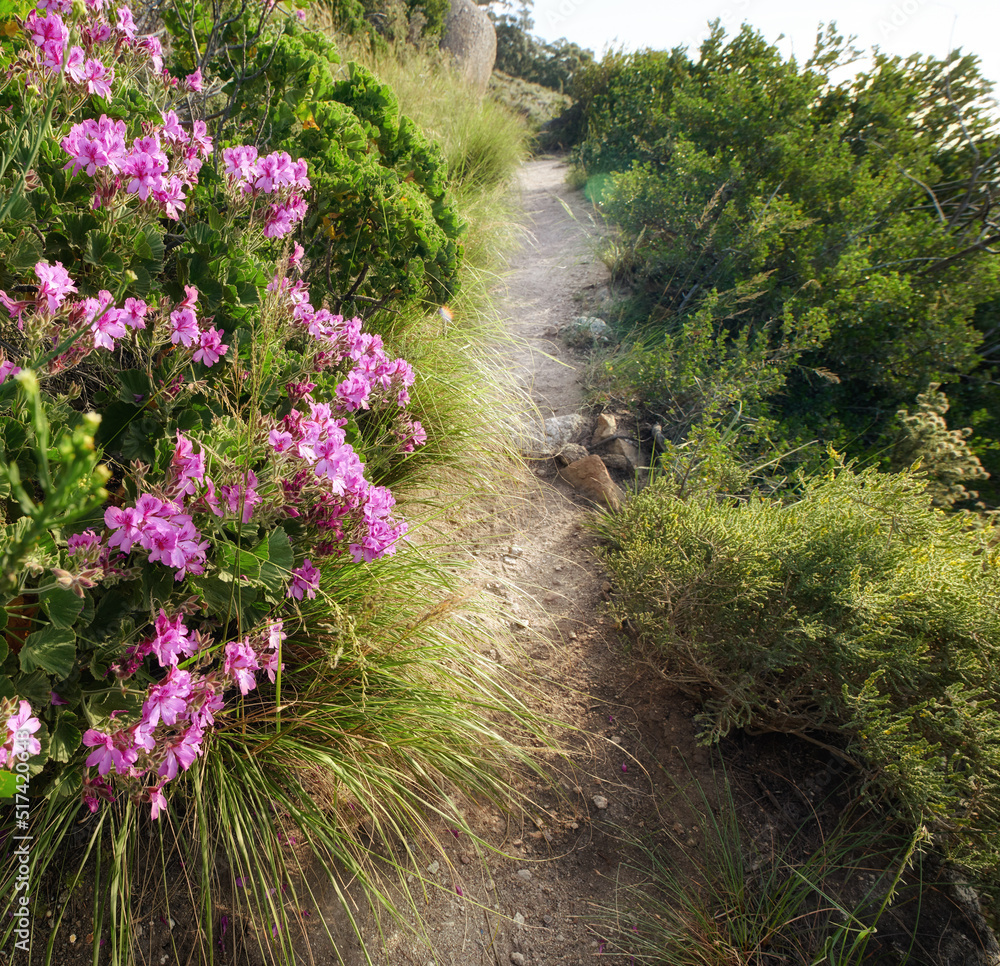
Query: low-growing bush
[[853, 613]]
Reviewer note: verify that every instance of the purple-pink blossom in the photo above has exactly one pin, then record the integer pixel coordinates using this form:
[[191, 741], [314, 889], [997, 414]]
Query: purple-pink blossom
[[240, 664], [211, 347], [305, 581], [19, 739], [54, 284]]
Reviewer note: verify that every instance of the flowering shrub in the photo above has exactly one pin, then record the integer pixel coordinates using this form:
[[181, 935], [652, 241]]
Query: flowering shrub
[[382, 228], [146, 598]]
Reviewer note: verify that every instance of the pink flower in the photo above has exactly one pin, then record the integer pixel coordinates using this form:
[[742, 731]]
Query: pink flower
[[154, 49], [170, 194], [107, 328], [211, 348], [125, 24], [172, 640], [145, 173], [181, 753], [74, 64], [7, 369], [98, 77], [134, 313], [185, 327], [156, 800], [19, 740], [305, 581], [110, 751], [188, 467], [168, 699], [54, 284], [193, 81], [200, 138], [94, 791], [240, 664], [354, 391], [172, 129], [279, 440]]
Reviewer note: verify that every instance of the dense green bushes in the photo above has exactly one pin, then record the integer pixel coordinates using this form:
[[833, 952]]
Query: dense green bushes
[[852, 612], [860, 214]]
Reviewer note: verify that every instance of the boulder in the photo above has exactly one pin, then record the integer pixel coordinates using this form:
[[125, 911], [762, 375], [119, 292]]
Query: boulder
[[587, 330], [470, 38], [590, 478]]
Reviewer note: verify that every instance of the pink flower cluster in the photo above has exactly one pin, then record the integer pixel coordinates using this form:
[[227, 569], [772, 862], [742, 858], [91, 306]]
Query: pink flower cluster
[[177, 710], [20, 738], [373, 376], [333, 496], [105, 35], [274, 173], [162, 529], [107, 322], [207, 343], [157, 169]]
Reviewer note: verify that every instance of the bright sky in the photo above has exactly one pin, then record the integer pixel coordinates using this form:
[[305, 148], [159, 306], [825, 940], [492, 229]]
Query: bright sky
[[895, 26]]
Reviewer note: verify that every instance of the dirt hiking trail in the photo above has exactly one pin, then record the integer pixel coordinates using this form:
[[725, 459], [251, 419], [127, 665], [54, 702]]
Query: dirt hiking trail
[[535, 901]]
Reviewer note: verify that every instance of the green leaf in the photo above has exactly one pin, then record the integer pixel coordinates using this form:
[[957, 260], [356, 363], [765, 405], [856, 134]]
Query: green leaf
[[65, 737], [276, 569], [62, 606], [148, 245], [35, 688], [52, 649], [100, 252], [239, 563], [24, 253]]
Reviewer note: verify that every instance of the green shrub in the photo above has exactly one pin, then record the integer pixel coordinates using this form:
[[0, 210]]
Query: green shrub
[[844, 202], [382, 230], [854, 613]]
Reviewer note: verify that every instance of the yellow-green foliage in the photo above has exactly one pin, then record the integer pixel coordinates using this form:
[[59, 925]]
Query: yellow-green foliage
[[857, 612]]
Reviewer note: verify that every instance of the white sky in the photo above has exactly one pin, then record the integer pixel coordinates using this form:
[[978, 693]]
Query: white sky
[[895, 26]]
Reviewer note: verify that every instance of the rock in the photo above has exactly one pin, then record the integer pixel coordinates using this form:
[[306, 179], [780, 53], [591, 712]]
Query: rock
[[586, 330], [606, 426], [600, 802], [626, 448], [570, 453], [518, 920], [434, 868], [470, 38], [616, 462], [524, 874], [551, 436], [518, 959], [590, 478]]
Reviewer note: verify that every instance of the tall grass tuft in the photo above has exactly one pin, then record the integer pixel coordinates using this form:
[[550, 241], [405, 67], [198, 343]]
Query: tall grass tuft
[[740, 900]]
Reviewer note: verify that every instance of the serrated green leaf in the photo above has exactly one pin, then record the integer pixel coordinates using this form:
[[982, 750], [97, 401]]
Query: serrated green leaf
[[24, 253], [276, 569], [65, 737], [52, 649], [62, 606], [35, 688]]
